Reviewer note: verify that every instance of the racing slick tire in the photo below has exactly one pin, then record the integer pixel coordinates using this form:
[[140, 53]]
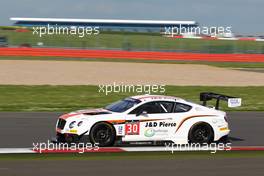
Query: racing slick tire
[[102, 134], [201, 133]]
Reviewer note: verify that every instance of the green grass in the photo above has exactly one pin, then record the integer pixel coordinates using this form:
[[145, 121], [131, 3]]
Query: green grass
[[69, 98], [216, 64], [134, 41], [135, 155]]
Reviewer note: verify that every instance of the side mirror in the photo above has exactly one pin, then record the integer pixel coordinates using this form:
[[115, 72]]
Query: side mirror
[[143, 113]]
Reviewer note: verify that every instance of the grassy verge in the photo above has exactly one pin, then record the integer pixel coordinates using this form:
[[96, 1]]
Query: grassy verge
[[135, 155], [215, 64], [68, 98]]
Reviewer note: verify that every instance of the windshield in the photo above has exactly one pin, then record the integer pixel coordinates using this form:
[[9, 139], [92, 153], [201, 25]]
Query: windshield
[[122, 105]]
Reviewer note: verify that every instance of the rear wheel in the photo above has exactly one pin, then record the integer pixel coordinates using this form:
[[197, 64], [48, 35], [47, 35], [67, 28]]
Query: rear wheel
[[103, 134], [201, 133]]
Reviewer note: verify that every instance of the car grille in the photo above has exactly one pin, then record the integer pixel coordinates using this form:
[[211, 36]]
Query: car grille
[[61, 123]]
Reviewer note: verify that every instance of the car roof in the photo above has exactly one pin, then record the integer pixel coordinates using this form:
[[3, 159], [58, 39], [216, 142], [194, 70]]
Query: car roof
[[155, 97]]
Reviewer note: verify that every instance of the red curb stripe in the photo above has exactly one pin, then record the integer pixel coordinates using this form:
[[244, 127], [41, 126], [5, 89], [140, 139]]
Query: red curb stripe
[[247, 149], [139, 55], [100, 150], [247, 39], [210, 38], [178, 36]]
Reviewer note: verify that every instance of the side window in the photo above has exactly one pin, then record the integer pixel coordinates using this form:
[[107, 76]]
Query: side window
[[166, 106], [154, 108], [180, 107]]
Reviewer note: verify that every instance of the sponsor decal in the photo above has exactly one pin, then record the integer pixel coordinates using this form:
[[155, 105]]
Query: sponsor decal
[[160, 124], [150, 132], [234, 102], [120, 130], [73, 131], [132, 128]]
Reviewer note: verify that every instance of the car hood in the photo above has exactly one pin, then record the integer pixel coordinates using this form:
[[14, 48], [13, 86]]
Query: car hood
[[99, 111], [86, 112]]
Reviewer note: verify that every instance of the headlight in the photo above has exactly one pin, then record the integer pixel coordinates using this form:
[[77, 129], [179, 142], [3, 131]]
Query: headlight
[[72, 124], [80, 123]]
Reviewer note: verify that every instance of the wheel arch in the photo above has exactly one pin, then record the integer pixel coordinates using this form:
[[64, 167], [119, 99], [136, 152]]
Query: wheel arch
[[106, 122]]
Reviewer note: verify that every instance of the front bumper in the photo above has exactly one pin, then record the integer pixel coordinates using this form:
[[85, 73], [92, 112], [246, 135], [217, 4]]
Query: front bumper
[[67, 138], [71, 138]]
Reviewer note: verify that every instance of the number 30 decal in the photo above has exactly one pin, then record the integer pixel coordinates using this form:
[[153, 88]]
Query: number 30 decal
[[132, 128]]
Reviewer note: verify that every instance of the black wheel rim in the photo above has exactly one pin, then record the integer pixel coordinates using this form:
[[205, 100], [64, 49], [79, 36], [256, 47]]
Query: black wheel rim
[[201, 134], [102, 135]]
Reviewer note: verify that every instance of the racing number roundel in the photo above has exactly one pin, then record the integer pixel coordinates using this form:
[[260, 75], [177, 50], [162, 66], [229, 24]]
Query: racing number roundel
[[132, 128]]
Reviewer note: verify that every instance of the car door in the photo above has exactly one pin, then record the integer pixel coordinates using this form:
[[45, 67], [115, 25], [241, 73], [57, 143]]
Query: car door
[[150, 121]]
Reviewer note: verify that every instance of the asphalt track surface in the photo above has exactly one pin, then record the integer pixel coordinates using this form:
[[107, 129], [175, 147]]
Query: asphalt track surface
[[19, 130], [156, 167]]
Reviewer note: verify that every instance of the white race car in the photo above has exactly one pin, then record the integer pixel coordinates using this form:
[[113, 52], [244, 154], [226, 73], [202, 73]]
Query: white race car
[[148, 118]]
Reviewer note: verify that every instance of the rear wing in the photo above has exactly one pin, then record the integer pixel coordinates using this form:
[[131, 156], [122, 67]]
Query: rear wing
[[232, 101]]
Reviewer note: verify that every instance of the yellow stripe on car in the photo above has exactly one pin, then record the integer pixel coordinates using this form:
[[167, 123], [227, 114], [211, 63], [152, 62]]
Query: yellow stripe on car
[[73, 131], [223, 129]]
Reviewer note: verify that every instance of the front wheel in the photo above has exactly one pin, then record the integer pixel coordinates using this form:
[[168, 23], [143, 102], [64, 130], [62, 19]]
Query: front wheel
[[103, 134], [201, 133]]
